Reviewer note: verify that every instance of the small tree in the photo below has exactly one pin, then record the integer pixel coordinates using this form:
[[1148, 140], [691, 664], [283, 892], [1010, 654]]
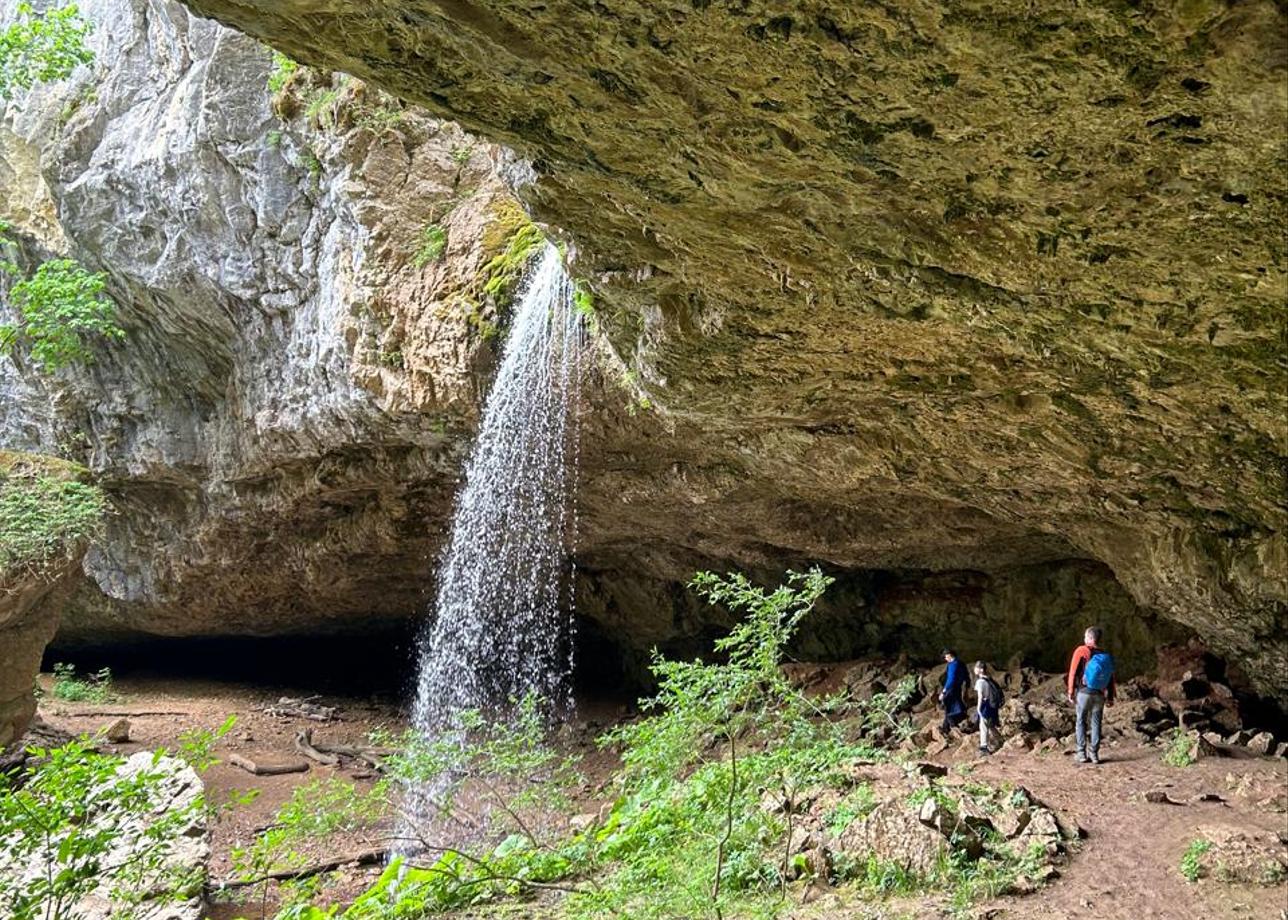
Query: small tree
[[42, 47], [60, 306]]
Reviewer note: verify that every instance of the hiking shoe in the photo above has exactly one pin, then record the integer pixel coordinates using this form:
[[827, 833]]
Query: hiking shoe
[[1081, 758], [985, 751], [1095, 758]]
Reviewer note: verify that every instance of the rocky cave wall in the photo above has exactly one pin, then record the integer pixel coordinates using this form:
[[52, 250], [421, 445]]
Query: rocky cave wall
[[282, 428], [910, 283], [873, 346], [1036, 613]]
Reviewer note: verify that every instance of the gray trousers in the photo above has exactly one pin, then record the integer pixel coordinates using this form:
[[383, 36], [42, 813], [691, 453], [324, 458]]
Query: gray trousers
[[1091, 708]]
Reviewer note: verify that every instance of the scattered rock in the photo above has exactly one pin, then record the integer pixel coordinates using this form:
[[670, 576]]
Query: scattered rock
[[1243, 857], [583, 822], [1012, 822], [895, 835], [1159, 797], [303, 708], [926, 768], [1261, 743], [118, 732], [1021, 742]]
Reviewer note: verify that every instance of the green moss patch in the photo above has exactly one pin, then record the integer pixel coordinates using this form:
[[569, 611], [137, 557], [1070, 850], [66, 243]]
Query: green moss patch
[[46, 510]]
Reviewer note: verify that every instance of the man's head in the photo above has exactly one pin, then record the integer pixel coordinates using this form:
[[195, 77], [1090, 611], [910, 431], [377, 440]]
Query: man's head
[[1092, 636], [948, 654]]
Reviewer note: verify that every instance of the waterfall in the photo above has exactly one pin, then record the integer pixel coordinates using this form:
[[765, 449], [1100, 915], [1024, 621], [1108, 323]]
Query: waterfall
[[502, 626]]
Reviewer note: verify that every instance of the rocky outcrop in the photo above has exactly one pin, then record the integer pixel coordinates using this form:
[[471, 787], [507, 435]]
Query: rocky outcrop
[[136, 846], [305, 281], [46, 518], [906, 286], [29, 608]]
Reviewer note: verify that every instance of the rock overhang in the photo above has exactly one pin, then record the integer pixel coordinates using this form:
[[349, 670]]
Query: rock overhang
[[1020, 261]]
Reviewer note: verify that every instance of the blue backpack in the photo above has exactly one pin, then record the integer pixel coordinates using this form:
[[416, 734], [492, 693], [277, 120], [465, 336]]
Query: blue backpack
[[1099, 670]]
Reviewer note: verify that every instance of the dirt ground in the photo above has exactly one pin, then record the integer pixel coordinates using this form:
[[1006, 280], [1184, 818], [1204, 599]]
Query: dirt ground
[[1127, 866]]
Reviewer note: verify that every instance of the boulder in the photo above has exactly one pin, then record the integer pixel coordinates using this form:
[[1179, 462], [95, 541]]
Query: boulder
[[894, 834], [1262, 743], [180, 867], [118, 732], [1021, 742], [1054, 719]]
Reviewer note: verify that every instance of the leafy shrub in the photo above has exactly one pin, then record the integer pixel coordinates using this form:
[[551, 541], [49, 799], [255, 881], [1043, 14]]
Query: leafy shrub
[[1179, 750], [44, 511], [60, 306], [64, 814], [283, 69], [689, 836], [1192, 859], [92, 688], [196, 745], [320, 108], [42, 47]]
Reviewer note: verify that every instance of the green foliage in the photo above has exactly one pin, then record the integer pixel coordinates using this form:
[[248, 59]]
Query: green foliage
[[44, 512], [583, 301], [283, 69], [689, 836], [311, 162], [380, 118], [1179, 749], [994, 874], [63, 816], [60, 306], [196, 745], [431, 244], [857, 803], [320, 109], [42, 47], [92, 688], [1192, 859]]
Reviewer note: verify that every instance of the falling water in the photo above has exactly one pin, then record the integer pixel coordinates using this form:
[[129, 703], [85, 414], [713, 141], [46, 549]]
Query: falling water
[[502, 626]]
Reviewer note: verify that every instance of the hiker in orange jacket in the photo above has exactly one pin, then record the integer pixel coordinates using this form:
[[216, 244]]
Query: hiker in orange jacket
[[1091, 687]]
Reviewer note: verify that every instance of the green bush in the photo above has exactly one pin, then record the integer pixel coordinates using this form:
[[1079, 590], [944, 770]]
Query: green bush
[[92, 688], [1179, 750], [431, 244], [283, 69], [60, 307], [42, 47]]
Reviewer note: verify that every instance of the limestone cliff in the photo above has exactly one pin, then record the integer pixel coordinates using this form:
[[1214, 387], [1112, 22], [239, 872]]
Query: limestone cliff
[[300, 273], [913, 284], [990, 300]]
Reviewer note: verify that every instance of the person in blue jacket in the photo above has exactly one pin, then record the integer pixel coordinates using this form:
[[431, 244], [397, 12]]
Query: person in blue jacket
[[950, 697]]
